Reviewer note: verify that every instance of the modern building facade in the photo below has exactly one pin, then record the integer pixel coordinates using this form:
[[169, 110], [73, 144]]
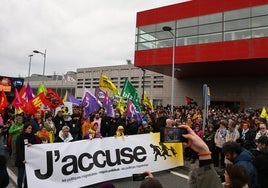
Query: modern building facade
[[219, 43], [59, 83], [154, 84]]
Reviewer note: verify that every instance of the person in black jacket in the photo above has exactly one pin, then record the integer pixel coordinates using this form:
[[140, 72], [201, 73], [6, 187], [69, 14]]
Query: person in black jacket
[[26, 138], [261, 161], [4, 178], [161, 121], [114, 123], [58, 121], [75, 127]]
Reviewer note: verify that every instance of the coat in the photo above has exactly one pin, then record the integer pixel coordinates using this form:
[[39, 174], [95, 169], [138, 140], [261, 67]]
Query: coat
[[204, 177], [261, 164], [20, 146], [245, 159]]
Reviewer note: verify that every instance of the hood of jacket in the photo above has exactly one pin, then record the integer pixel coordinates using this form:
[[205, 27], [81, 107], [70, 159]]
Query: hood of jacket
[[245, 155]]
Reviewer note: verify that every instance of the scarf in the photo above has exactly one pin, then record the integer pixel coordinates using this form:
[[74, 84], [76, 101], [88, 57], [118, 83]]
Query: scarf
[[244, 133], [223, 132], [65, 138]]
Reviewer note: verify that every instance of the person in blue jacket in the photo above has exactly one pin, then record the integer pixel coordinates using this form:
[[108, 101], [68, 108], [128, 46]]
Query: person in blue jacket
[[236, 154]]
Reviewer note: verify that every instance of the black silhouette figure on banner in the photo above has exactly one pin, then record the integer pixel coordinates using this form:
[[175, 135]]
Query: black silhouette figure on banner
[[173, 151], [164, 149], [157, 151]]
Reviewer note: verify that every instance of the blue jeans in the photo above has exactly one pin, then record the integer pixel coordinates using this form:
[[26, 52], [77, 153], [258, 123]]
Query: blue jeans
[[21, 176]]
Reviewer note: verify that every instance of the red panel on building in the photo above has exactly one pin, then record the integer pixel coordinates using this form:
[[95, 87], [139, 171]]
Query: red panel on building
[[246, 56]]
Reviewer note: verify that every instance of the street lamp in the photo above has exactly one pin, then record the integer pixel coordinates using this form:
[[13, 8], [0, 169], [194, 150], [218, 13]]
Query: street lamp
[[143, 84], [29, 70], [169, 29], [44, 65]]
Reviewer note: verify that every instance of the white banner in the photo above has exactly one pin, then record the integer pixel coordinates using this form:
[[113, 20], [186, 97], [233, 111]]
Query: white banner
[[88, 162]]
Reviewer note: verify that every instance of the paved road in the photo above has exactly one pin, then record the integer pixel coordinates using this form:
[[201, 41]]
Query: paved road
[[167, 178]]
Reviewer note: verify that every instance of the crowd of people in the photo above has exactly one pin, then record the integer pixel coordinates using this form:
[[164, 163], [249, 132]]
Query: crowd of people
[[237, 138]]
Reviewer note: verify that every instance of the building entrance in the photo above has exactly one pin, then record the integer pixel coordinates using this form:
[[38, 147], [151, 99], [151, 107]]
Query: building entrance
[[232, 105]]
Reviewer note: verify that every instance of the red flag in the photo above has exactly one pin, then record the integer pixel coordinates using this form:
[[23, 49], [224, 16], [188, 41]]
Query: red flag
[[53, 100], [190, 101], [3, 102], [35, 104]]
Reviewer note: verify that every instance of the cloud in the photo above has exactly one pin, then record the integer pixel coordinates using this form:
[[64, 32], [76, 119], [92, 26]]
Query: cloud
[[75, 33]]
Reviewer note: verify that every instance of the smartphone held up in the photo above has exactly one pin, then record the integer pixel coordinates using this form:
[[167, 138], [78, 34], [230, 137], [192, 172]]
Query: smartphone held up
[[172, 134]]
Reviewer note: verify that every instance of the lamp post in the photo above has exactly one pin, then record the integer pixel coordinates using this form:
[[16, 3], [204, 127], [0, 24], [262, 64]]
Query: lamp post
[[44, 55], [143, 84], [29, 70], [168, 29]]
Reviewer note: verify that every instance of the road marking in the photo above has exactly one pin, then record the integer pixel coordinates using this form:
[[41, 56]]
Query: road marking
[[12, 176], [179, 174]]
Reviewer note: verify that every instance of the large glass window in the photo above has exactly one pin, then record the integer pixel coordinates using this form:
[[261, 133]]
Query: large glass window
[[210, 28], [230, 25], [237, 14], [260, 21], [188, 31], [210, 38], [260, 10], [187, 22], [237, 35], [212, 18], [237, 24], [260, 32]]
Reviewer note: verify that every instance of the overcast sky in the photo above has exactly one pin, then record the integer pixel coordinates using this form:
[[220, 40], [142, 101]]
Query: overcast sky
[[75, 33]]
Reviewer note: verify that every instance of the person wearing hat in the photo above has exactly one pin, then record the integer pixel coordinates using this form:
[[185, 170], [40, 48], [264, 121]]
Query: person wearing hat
[[261, 161]]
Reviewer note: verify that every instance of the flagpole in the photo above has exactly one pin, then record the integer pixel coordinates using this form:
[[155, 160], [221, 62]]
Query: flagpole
[[168, 29], [29, 70]]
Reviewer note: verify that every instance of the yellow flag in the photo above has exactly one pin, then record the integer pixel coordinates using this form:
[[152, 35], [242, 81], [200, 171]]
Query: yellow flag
[[264, 114], [42, 89], [120, 105], [147, 101], [65, 97], [106, 83]]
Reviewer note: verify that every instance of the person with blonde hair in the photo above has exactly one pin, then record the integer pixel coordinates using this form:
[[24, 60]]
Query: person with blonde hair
[[120, 132]]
